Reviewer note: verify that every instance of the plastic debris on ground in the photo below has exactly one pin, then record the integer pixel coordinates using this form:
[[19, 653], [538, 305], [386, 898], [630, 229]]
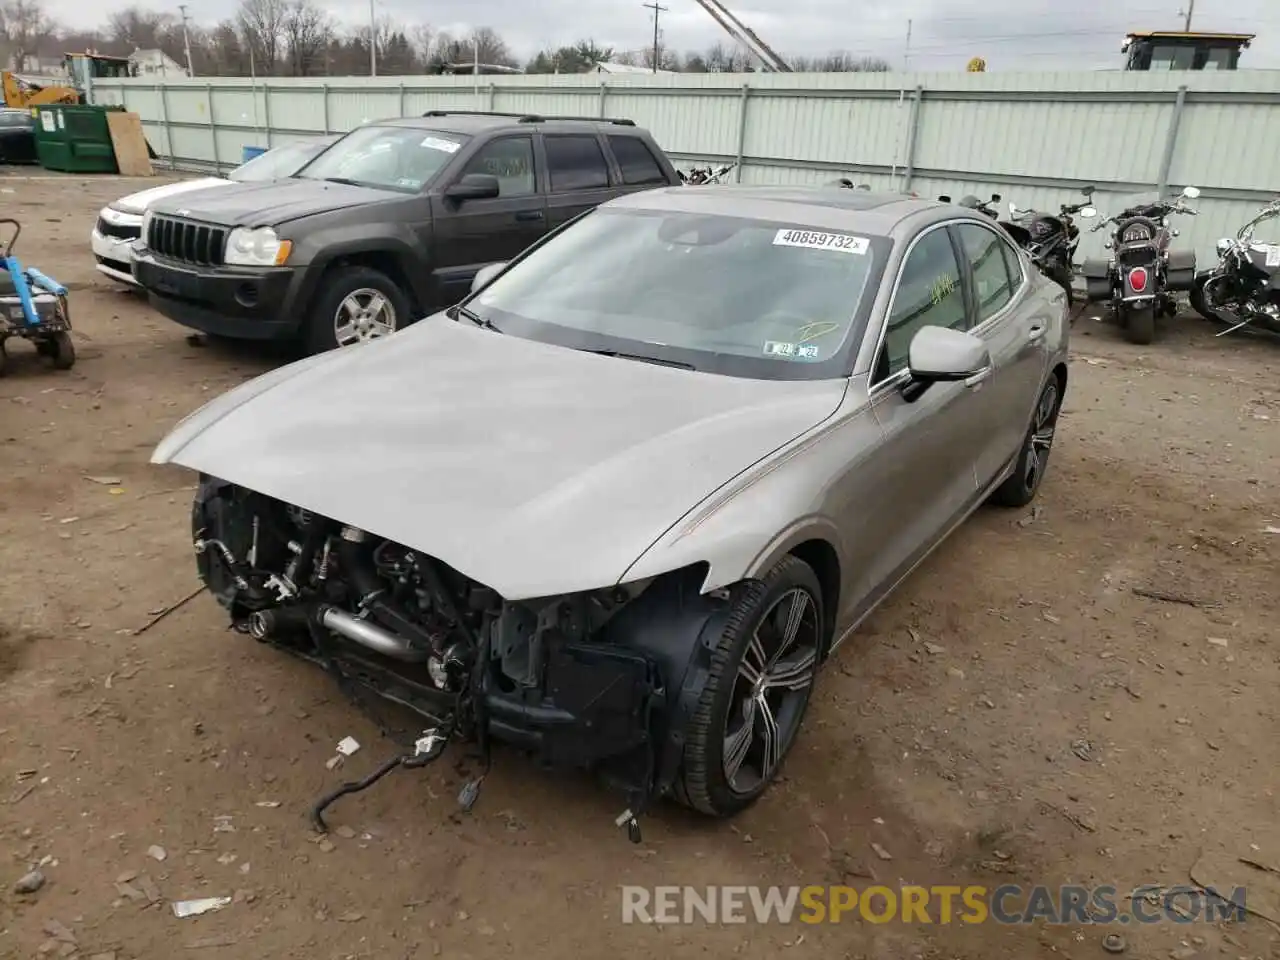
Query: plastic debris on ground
[[194, 908]]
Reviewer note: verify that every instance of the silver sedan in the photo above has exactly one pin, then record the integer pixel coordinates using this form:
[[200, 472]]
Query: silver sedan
[[621, 503]]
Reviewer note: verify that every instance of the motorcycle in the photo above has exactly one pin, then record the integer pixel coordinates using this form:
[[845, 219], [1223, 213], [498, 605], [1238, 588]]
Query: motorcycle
[[701, 176], [1141, 274], [1050, 240], [1244, 288], [973, 203]]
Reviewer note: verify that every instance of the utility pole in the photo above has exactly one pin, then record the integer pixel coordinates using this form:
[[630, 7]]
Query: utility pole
[[186, 39], [373, 41], [657, 9], [1186, 23]]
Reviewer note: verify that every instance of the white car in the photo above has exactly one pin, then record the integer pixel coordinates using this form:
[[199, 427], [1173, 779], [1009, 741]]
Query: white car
[[120, 222]]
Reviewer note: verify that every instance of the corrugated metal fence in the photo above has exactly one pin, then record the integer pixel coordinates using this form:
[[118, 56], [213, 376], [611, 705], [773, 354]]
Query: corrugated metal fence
[[1034, 138]]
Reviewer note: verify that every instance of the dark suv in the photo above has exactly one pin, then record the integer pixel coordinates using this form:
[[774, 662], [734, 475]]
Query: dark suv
[[387, 225]]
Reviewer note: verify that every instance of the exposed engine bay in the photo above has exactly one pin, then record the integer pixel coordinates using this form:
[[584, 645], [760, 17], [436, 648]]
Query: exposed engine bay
[[590, 680]]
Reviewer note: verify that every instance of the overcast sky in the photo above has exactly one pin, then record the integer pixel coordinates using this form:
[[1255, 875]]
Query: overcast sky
[[1009, 34]]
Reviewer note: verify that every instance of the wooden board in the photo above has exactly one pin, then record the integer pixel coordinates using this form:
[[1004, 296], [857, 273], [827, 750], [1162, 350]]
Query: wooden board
[[129, 143]]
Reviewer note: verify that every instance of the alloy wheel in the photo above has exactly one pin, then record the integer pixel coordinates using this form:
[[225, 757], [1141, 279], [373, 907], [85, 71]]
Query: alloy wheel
[[770, 690], [363, 315], [1040, 438]]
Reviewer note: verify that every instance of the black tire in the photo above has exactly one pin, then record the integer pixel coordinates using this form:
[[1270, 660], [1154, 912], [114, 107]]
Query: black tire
[[1199, 302], [1021, 486], [704, 784], [60, 349], [319, 335], [1140, 324]]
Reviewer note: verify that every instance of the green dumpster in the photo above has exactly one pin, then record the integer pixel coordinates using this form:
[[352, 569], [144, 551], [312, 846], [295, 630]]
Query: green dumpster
[[74, 139]]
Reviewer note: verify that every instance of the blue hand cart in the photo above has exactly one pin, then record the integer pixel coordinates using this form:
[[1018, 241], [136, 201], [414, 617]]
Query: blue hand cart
[[34, 307]]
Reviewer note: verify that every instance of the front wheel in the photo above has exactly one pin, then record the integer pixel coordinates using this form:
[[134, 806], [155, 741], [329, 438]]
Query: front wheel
[[757, 690], [1202, 297], [1140, 324], [355, 305]]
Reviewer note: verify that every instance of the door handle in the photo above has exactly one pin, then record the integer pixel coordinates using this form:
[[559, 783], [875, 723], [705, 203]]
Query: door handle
[[978, 379], [1035, 333], [525, 215]]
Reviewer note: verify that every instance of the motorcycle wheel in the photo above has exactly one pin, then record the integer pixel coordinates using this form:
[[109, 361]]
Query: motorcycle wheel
[[1140, 325], [1199, 300]]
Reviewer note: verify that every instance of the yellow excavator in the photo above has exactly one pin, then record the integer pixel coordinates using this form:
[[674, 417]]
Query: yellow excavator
[[82, 69]]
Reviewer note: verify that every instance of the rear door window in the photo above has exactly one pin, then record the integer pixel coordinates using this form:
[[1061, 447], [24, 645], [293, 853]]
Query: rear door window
[[636, 161], [983, 249], [575, 162]]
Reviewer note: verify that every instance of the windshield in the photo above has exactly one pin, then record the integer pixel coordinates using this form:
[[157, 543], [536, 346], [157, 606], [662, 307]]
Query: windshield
[[730, 295], [386, 158], [278, 162]]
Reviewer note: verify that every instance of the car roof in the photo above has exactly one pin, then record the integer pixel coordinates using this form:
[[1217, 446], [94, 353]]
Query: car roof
[[472, 124], [878, 214]]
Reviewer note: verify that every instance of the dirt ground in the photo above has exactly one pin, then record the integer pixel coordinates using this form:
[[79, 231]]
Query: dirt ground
[[1015, 714]]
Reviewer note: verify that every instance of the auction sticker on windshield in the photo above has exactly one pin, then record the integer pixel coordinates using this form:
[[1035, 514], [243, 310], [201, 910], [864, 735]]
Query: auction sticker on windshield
[[436, 143], [800, 351], [812, 240]]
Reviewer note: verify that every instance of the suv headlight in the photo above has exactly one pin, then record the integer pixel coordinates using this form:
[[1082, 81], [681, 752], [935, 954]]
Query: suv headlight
[[256, 247]]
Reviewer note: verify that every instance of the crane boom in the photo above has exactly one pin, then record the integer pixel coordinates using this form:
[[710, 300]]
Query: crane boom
[[745, 35]]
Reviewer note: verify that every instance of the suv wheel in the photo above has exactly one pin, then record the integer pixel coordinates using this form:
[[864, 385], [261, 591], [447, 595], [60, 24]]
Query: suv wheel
[[355, 305]]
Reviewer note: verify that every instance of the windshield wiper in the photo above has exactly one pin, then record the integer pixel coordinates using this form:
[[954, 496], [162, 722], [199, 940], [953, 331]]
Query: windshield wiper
[[346, 181], [479, 321], [643, 359]]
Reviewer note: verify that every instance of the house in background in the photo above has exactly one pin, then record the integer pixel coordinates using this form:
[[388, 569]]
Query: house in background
[[38, 66], [156, 63], [606, 66]]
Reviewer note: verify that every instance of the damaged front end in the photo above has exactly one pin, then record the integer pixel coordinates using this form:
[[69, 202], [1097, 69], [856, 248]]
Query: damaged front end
[[602, 680]]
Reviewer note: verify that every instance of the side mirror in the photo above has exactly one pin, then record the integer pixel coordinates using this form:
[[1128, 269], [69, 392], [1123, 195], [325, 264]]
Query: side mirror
[[1013, 209], [944, 199], [1087, 213], [1190, 192], [1087, 191], [995, 198], [474, 186], [943, 355], [485, 274]]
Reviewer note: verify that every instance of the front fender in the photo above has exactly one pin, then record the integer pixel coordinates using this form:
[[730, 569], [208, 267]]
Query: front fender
[[793, 497], [315, 250]]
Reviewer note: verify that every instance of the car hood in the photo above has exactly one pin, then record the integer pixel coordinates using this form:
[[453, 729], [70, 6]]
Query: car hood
[[273, 202], [140, 201], [534, 469]]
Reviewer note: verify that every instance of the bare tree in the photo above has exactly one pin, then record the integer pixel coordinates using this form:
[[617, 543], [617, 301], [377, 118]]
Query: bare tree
[[423, 37], [307, 31], [262, 22], [721, 59], [492, 48], [137, 27], [24, 26], [839, 61]]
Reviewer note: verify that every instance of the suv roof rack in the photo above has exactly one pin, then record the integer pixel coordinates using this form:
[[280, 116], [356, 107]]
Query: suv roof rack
[[528, 117]]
